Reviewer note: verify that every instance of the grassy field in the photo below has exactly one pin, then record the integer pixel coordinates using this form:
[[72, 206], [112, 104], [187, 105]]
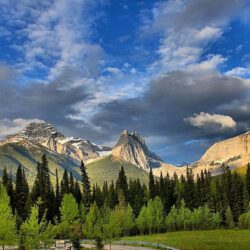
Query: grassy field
[[107, 169], [201, 240]]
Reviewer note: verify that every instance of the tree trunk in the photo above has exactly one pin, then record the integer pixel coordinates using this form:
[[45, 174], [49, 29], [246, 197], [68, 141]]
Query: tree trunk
[[110, 245]]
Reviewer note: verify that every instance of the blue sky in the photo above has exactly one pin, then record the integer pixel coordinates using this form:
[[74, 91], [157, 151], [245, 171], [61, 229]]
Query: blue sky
[[176, 71]]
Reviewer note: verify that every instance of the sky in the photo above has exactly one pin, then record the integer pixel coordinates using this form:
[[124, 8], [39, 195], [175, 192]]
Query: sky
[[176, 71]]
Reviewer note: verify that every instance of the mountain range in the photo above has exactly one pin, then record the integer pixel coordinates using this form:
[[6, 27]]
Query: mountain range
[[103, 162]]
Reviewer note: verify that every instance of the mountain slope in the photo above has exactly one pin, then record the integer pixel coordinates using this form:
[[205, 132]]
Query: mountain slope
[[108, 167], [233, 152], [27, 154], [48, 136]]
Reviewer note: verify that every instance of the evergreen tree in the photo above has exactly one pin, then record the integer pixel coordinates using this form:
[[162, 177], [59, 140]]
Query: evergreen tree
[[57, 198], [236, 196], [136, 196], [8, 184], [7, 221], [21, 196], [122, 183], [43, 189], [77, 192], [189, 190], [111, 199], [151, 185], [65, 189], [71, 184], [248, 179], [86, 187]]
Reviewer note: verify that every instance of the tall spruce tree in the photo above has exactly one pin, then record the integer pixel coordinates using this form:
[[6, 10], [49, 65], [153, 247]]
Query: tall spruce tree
[[189, 190], [111, 199], [42, 188], [77, 192], [65, 189], [248, 179], [57, 198], [151, 185], [21, 196], [86, 186], [71, 184], [122, 183], [8, 184]]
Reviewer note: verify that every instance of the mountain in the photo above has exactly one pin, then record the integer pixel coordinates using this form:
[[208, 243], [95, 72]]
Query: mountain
[[103, 163], [131, 147], [233, 152], [38, 138], [48, 136]]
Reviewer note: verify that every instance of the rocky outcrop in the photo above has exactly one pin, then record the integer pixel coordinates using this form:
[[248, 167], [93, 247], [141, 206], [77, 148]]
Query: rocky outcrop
[[131, 147], [233, 152]]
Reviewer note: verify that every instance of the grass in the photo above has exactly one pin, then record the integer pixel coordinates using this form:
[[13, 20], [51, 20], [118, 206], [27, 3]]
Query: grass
[[107, 169], [201, 240]]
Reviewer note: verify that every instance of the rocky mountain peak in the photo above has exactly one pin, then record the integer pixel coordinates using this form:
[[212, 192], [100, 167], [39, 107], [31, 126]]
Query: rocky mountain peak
[[40, 131], [131, 147]]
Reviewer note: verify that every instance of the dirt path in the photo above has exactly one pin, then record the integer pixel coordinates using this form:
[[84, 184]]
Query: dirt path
[[118, 247]]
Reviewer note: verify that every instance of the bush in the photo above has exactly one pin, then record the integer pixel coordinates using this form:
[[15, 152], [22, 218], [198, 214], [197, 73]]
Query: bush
[[244, 221]]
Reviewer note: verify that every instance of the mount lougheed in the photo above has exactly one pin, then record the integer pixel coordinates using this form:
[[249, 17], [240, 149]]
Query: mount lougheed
[[103, 163]]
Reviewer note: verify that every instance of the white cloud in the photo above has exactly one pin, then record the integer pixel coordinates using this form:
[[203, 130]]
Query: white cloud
[[54, 35], [113, 70], [9, 127], [204, 120], [239, 71]]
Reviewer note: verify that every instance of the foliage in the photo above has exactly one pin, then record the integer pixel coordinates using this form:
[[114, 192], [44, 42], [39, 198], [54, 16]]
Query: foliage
[[7, 221], [35, 234]]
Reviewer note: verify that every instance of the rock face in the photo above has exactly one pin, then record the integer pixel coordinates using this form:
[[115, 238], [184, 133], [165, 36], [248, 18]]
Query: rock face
[[132, 148], [233, 152], [48, 136]]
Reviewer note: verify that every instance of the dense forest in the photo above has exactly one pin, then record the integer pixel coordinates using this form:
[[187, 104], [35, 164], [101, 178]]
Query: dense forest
[[33, 217]]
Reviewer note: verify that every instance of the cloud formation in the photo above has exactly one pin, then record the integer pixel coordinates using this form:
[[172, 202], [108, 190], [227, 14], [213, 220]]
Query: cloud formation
[[9, 127], [212, 121], [65, 74]]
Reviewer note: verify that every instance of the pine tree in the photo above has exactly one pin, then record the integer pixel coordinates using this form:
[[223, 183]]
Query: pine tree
[[21, 196], [136, 196], [151, 185], [57, 198], [65, 184], [189, 190], [8, 184], [42, 188], [111, 199], [99, 199], [77, 192], [86, 186], [122, 183], [71, 184], [248, 179]]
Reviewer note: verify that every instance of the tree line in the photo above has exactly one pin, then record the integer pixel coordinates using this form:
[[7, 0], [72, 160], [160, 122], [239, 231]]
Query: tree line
[[69, 209]]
